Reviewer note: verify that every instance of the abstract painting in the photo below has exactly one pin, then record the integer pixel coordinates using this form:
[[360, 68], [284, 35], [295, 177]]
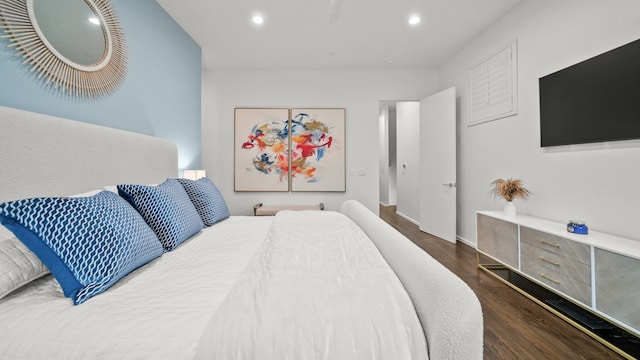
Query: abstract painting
[[289, 149], [318, 150], [261, 149]]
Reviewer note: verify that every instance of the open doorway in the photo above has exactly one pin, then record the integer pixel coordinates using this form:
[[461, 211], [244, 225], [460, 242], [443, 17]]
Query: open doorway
[[399, 157], [418, 161], [388, 159]]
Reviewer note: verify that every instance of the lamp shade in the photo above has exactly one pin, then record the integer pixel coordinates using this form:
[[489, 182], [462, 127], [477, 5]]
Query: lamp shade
[[194, 174]]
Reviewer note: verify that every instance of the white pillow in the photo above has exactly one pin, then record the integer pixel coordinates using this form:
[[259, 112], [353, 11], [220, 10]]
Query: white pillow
[[86, 194], [18, 265], [112, 188]]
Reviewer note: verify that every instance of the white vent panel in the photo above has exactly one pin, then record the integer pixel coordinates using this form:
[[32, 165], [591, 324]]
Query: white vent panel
[[493, 87]]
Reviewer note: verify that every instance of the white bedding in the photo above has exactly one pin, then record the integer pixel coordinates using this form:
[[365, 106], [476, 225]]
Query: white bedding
[[316, 289], [301, 285], [158, 312]]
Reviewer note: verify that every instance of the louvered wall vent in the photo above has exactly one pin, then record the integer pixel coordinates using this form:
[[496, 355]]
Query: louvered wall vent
[[493, 87]]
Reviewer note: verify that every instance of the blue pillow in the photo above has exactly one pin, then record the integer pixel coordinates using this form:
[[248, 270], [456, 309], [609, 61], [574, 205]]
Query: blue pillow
[[87, 243], [207, 199], [167, 209]]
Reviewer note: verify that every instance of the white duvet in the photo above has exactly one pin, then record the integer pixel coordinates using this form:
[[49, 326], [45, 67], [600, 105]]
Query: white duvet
[[314, 287], [158, 312]]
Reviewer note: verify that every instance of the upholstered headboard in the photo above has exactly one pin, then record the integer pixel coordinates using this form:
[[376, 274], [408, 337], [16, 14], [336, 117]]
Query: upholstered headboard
[[42, 155]]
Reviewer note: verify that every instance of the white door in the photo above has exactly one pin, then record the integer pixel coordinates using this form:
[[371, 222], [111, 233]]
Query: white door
[[438, 164]]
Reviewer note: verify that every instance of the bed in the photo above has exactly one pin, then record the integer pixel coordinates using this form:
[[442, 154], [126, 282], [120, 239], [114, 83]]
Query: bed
[[298, 285]]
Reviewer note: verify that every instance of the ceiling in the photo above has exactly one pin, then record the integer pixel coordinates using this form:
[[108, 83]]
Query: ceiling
[[370, 34]]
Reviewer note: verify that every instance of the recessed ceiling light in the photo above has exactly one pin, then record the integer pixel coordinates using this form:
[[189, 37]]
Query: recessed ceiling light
[[390, 61], [257, 19], [94, 20], [414, 20]]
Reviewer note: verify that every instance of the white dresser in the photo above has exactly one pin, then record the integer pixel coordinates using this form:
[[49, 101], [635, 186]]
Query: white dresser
[[598, 272]]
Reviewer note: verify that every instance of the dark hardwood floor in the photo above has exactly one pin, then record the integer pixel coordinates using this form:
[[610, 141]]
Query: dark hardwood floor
[[514, 326]]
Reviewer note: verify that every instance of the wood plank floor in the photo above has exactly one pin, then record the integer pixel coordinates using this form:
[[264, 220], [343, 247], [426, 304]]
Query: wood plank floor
[[514, 326]]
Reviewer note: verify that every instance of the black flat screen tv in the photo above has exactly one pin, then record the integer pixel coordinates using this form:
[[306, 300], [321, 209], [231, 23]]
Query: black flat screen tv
[[596, 100]]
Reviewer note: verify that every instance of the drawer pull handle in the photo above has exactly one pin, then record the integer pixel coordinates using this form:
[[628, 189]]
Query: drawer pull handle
[[550, 244], [549, 261], [550, 279]]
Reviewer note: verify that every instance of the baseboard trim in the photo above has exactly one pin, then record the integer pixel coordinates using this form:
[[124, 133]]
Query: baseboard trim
[[416, 223], [407, 218], [465, 241]]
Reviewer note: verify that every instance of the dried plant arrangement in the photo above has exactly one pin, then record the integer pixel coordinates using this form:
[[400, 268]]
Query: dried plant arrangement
[[509, 189]]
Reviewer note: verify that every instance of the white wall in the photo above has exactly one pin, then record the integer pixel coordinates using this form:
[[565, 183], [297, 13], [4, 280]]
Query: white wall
[[597, 183], [408, 159], [359, 91]]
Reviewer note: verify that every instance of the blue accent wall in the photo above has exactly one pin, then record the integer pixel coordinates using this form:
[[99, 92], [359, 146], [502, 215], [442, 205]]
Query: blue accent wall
[[161, 95]]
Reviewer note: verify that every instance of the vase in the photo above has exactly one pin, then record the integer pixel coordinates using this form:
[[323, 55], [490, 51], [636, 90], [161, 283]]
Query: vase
[[510, 209]]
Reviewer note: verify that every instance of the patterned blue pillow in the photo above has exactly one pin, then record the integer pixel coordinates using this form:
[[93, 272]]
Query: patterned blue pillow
[[87, 243], [207, 199], [167, 209]]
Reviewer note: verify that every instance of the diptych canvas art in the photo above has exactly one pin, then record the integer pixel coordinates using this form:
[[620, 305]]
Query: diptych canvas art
[[289, 149]]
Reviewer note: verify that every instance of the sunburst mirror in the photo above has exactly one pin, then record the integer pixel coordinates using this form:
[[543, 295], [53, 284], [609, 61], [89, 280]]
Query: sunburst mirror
[[75, 46]]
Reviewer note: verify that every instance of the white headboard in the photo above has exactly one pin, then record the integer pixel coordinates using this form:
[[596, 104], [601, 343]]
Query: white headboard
[[42, 155]]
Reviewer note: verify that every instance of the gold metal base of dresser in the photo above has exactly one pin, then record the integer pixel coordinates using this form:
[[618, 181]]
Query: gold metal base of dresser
[[630, 350]]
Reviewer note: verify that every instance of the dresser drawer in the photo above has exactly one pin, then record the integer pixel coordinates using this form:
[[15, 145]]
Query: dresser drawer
[[498, 239], [556, 244], [574, 269], [556, 280]]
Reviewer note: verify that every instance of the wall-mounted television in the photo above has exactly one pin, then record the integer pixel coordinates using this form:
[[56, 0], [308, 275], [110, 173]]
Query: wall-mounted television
[[593, 101]]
